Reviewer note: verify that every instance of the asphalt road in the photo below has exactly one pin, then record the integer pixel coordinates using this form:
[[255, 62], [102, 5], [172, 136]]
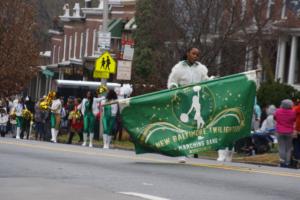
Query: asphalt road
[[31, 170]]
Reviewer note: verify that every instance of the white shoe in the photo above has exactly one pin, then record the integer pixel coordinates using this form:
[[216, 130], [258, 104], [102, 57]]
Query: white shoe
[[84, 139], [91, 139], [221, 155], [108, 141], [55, 136], [229, 155], [52, 134], [105, 141], [18, 133]]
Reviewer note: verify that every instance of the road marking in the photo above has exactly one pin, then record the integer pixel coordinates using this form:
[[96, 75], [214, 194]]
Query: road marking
[[148, 184], [144, 196], [101, 153]]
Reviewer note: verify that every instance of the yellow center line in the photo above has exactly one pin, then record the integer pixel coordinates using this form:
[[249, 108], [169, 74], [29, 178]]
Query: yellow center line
[[215, 166]]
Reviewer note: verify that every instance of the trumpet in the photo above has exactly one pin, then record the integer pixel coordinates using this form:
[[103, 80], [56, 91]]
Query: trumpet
[[46, 103]]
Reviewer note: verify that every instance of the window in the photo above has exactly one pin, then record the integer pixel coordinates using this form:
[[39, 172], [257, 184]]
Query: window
[[283, 9], [270, 9]]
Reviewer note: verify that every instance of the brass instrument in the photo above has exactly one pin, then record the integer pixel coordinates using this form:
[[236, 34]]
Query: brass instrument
[[46, 103]]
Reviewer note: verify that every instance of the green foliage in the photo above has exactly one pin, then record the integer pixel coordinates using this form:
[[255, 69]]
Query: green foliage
[[143, 62], [145, 43], [273, 92]]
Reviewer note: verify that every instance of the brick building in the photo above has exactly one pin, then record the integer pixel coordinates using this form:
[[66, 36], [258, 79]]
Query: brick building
[[74, 43], [74, 46], [281, 19]]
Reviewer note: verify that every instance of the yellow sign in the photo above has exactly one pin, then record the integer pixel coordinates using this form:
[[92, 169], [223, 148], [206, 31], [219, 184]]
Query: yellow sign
[[105, 63], [98, 74]]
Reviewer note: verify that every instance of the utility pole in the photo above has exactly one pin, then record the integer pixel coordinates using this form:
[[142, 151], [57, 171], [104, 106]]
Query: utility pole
[[102, 49], [104, 29]]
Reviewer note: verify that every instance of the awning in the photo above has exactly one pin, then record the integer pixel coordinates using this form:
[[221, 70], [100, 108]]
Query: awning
[[131, 25], [47, 72], [116, 27]]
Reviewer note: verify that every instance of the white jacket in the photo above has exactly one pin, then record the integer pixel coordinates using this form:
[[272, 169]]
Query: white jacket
[[95, 106], [19, 109], [56, 106], [3, 116], [182, 74]]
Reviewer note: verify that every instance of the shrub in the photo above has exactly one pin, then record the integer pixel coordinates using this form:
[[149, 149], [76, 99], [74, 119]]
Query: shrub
[[273, 92]]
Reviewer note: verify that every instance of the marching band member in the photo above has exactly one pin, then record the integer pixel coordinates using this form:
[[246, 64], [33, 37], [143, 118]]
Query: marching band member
[[55, 117], [75, 119], [89, 109], [109, 118], [19, 110], [186, 72]]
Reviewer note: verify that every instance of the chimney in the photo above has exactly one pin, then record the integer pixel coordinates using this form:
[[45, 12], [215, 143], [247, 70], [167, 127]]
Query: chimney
[[76, 9], [88, 3], [67, 10]]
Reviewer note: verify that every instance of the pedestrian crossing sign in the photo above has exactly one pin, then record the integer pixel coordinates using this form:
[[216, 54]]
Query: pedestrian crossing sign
[[105, 63], [98, 74]]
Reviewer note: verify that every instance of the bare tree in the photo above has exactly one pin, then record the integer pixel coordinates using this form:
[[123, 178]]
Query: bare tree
[[18, 47], [233, 35]]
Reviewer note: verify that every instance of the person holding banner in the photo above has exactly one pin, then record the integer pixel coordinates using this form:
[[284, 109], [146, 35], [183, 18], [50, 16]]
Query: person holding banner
[[186, 72]]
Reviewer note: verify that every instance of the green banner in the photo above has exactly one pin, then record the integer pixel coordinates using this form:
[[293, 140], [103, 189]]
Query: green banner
[[192, 119]]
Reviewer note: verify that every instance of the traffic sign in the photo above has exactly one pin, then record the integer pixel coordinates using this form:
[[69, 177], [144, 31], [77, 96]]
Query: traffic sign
[[105, 63], [104, 39], [124, 70], [98, 74]]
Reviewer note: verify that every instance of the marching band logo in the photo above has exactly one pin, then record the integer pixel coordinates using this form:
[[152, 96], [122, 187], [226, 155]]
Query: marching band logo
[[196, 107]]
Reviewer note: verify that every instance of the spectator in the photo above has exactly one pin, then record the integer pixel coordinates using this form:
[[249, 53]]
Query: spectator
[[285, 119], [296, 141], [256, 116], [40, 117], [3, 118], [268, 125]]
